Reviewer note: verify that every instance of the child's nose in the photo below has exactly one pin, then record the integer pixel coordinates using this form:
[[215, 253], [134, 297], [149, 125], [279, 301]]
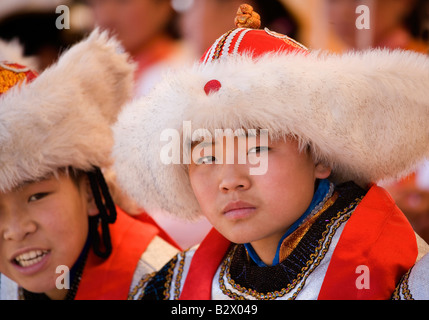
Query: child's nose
[[18, 227], [234, 177]]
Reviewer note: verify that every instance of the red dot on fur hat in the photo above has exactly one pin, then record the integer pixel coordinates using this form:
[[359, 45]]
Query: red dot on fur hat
[[212, 86]]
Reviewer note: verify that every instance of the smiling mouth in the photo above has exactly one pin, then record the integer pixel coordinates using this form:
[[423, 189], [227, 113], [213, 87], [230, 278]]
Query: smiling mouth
[[29, 258]]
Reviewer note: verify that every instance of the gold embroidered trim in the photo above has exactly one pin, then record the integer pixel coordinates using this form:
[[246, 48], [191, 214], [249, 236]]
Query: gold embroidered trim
[[291, 242], [142, 283], [403, 288], [285, 38], [169, 277], [179, 276], [170, 273], [219, 47]]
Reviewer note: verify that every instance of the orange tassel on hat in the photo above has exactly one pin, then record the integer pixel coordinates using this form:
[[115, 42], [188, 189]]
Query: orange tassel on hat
[[12, 74], [247, 18]]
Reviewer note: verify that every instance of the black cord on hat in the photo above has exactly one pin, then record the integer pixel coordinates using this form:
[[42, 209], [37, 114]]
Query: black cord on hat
[[102, 246]]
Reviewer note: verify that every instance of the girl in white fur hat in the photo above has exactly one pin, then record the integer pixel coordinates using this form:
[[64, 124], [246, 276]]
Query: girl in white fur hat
[[61, 235], [279, 147]]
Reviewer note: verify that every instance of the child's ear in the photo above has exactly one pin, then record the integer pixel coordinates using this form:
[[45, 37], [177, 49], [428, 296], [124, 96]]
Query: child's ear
[[91, 205], [322, 171]]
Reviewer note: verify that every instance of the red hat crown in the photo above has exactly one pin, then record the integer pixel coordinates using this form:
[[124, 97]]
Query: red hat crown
[[246, 39]]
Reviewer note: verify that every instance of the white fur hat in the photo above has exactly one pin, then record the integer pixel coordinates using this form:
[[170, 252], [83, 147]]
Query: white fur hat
[[364, 113], [62, 118]]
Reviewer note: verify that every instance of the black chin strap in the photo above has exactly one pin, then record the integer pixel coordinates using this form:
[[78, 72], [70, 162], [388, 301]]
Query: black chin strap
[[102, 245]]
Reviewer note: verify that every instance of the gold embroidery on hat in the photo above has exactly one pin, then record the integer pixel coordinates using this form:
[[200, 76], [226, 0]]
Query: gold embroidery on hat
[[9, 79], [220, 45], [286, 39]]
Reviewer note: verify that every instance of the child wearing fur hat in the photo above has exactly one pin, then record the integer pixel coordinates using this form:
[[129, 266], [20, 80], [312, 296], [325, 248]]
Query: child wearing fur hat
[[62, 237], [285, 149]]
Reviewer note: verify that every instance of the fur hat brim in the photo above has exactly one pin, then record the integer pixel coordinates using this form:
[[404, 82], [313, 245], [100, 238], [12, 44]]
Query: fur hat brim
[[63, 117], [365, 114]]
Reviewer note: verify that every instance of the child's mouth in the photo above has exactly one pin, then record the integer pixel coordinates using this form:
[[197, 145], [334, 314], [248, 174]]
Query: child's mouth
[[29, 258], [238, 210]]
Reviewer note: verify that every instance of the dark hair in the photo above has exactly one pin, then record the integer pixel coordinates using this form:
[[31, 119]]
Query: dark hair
[[74, 174]]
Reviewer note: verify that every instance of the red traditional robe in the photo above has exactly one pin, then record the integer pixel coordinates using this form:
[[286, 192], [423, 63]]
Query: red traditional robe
[[107, 279]]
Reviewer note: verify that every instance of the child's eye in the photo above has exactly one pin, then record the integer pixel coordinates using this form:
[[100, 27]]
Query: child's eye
[[37, 196], [206, 160], [258, 149]]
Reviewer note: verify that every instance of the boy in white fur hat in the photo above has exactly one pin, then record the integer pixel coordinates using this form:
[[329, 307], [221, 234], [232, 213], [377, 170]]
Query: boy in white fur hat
[[279, 148], [61, 236]]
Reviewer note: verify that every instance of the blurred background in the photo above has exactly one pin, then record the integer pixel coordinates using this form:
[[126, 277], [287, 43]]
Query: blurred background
[[163, 34], [318, 24]]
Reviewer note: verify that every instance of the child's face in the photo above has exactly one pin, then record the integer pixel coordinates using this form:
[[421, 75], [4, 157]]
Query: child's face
[[43, 224], [248, 208]]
